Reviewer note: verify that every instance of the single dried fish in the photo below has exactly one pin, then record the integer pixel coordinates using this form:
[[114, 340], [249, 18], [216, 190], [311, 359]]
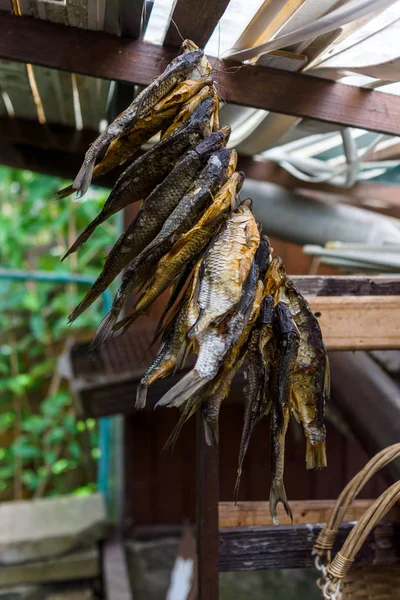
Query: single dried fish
[[178, 70], [164, 112], [169, 357], [310, 381], [150, 169], [287, 352]]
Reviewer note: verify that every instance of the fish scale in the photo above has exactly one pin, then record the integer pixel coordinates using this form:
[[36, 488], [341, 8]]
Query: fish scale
[[225, 267]]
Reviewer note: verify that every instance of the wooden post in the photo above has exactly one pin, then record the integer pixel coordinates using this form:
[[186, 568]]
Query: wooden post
[[207, 515]]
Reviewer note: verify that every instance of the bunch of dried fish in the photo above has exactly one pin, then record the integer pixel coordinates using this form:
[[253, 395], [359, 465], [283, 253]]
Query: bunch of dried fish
[[230, 301]]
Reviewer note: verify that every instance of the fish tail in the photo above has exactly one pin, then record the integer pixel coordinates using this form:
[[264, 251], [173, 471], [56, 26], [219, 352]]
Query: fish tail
[[125, 323], [211, 432], [84, 177], [173, 438], [84, 236], [141, 396], [182, 356], [191, 383], [237, 485], [315, 455], [104, 329], [278, 494], [65, 192], [95, 291]]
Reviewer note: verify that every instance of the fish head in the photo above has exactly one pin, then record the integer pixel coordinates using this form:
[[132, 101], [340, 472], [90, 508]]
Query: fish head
[[246, 204], [188, 46], [202, 115], [275, 277], [226, 132]]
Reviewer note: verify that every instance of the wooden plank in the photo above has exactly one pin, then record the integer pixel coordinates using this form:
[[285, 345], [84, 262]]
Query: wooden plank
[[196, 22], [348, 285], [101, 55], [92, 99], [358, 322], [114, 569], [14, 80], [55, 90], [290, 546], [256, 514], [131, 17], [207, 515]]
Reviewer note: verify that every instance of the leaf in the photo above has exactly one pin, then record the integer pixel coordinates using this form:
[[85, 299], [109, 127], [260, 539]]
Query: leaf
[[34, 424], [55, 435], [31, 479], [23, 448], [60, 466], [6, 472], [7, 419], [75, 450], [37, 326]]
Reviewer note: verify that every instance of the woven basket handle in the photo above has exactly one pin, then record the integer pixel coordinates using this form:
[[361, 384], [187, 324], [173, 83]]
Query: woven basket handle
[[327, 536], [357, 536]]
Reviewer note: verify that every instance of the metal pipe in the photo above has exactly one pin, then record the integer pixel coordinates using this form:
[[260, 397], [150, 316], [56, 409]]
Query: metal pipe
[[104, 423], [304, 220]]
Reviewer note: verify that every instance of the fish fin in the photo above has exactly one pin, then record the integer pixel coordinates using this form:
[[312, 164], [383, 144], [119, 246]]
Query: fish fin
[[278, 494], [141, 396], [84, 177], [211, 432], [104, 330], [181, 391], [182, 356], [315, 455], [85, 235], [65, 192], [173, 438], [201, 323], [237, 486], [125, 323]]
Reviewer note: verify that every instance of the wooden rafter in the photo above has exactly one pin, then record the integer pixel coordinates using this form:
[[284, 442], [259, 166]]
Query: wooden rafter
[[102, 55], [196, 22], [131, 17]]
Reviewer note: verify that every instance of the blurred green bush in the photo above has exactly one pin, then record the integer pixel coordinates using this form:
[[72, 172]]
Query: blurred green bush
[[44, 448]]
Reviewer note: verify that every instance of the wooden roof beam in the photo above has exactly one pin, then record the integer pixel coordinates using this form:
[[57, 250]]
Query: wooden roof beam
[[196, 21], [99, 54]]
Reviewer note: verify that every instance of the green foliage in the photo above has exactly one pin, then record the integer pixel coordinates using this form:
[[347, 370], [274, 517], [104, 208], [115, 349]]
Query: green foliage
[[44, 447]]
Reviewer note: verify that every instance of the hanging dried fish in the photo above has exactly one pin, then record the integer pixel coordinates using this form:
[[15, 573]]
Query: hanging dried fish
[[178, 70]]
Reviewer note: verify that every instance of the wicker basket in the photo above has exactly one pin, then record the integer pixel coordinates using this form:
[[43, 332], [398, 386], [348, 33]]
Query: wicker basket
[[339, 581]]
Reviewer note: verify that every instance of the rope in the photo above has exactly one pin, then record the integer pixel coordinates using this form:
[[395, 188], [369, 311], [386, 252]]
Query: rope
[[339, 566]]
